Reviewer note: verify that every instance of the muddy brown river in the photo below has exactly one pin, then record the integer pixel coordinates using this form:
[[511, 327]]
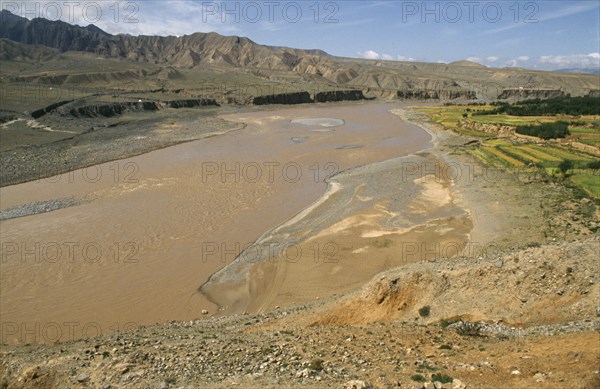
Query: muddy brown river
[[149, 231]]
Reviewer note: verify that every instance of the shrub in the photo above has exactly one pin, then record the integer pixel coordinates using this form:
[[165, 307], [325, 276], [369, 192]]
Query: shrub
[[316, 364], [443, 378], [424, 311], [418, 378]]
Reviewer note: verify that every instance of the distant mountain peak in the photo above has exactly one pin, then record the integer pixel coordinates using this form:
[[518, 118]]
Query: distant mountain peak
[[186, 51], [96, 29]]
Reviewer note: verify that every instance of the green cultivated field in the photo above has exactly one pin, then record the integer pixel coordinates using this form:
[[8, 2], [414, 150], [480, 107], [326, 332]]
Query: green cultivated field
[[511, 152]]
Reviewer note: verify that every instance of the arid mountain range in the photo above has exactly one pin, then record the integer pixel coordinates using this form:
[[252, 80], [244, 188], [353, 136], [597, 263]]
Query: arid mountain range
[[156, 61]]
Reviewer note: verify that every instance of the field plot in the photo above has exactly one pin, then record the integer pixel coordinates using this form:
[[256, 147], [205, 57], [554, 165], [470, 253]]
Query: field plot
[[506, 151]]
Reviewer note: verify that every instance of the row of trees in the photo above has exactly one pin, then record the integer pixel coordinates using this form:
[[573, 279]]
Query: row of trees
[[567, 105], [545, 130]]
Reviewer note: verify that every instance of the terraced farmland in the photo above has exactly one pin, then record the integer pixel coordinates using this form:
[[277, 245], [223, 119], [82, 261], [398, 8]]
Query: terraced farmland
[[511, 152]]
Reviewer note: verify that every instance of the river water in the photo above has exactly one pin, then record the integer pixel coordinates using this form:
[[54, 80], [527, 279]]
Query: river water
[[149, 230]]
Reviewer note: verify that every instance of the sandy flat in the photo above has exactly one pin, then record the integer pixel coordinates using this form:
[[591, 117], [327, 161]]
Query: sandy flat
[[347, 239]]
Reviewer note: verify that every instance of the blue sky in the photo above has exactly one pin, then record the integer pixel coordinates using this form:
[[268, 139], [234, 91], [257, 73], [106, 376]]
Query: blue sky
[[534, 34]]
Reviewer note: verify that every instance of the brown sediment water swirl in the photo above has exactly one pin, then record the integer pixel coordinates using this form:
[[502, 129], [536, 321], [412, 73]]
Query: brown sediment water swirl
[[149, 230]]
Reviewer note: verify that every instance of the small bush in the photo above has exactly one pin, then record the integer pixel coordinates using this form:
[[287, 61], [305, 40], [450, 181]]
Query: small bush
[[418, 378], [316, 364], [443, 378], [424, 311]]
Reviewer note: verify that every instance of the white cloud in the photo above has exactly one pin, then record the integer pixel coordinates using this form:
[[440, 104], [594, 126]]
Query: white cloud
[[572, 61], [547, 62], [369, 54]]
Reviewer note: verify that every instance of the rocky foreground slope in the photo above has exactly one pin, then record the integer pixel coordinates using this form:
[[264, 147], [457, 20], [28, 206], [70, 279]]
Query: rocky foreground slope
[[521, 319]]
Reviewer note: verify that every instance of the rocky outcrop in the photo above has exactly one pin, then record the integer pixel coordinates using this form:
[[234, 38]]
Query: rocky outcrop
[[283, 98], [7, 116], [339, 95], [190, 103], [41, 112], [435, 95], [305, 97], [490, 128], [524, 94], [114, 109]]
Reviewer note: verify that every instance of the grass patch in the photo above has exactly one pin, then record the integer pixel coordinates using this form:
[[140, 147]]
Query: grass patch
[[418, 378], [443, 378], [587, 181]]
